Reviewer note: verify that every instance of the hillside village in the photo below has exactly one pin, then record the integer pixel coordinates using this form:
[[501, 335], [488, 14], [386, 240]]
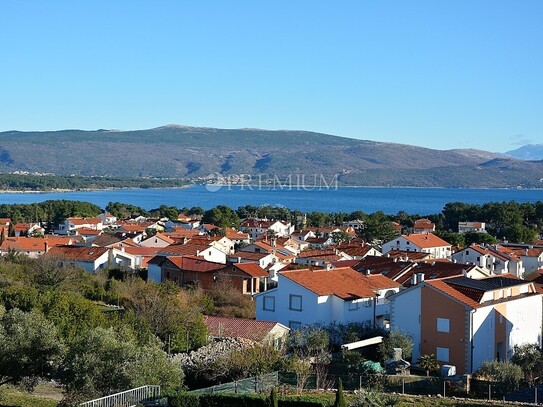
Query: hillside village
[[465, 305]]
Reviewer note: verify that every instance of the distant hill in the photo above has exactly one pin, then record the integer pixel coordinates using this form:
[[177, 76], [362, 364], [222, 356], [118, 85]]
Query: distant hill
[[528, 152], [194, 153]]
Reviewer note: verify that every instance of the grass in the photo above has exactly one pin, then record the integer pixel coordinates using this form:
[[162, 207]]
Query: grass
[[43, 396]]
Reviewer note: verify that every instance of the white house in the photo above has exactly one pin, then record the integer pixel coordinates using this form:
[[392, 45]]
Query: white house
[[325, 296], [257, 228], [464, 227], [429, 243], [70, 225]]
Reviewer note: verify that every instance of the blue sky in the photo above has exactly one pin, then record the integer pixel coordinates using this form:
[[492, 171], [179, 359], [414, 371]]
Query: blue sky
[[441, 74]]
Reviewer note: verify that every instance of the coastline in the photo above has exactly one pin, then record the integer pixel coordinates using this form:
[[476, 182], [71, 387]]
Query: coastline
[[250, 187]]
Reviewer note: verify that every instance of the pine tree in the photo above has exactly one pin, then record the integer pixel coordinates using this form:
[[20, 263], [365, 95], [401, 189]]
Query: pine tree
[[340, 398]]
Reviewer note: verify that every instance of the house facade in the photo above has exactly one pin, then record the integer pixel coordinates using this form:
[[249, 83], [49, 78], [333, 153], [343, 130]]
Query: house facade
[[429, 243], [465, 322], [325, 296]]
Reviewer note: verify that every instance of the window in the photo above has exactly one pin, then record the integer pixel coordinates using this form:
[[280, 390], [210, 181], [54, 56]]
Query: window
[[269, 303], [443, 325], [294, 324], [442, 354], [353, 305], [295, 302]]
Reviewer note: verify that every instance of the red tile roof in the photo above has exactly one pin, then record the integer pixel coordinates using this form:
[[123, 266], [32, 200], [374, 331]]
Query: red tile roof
[[249, 255], [342, 282], [77, 253], [192, 263], [29, 244], [445, 288], [84, 221], [426, 240], [252, 269], [238, 327], [185, 249]]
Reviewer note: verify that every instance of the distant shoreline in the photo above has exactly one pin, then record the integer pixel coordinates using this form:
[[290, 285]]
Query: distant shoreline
[[249, 187]]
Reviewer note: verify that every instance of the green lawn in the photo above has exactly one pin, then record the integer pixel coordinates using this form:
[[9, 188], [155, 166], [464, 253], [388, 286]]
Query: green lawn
[[43, 396]]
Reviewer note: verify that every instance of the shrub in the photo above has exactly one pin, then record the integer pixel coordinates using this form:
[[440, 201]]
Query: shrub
[[506, 373]]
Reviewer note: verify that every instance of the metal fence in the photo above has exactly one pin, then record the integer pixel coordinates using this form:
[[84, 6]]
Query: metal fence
[[129, 398], [257, 384]]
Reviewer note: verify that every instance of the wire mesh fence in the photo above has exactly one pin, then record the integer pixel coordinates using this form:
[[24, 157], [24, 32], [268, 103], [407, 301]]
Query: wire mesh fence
[[458, 386], [257, 384]]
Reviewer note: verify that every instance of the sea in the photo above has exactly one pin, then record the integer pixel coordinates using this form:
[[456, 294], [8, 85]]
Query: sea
[[422, 201]]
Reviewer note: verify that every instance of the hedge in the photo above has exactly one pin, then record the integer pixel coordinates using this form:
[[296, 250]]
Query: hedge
[[185, 399]]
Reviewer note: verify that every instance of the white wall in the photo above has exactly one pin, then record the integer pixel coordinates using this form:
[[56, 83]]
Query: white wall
[[483, 336], [405, 311], [525, 316]]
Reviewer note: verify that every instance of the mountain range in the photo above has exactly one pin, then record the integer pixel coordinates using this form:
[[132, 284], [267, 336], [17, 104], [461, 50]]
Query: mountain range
[[528, 152], [195, 153]]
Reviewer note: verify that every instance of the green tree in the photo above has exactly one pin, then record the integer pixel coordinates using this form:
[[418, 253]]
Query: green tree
[[396, 339], [429, 363], [479, 238], [340, 397], [72, 314], [222, 216], [30, 347], [106, 361], [339, 237], [378, 228], [507, 373], [530, 359]]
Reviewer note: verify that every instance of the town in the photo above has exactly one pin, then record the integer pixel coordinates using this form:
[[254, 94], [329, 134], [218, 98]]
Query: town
[[270, 276]]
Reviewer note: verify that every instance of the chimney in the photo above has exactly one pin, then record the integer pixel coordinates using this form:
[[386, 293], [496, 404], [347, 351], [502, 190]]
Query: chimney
[[414, 279], [328, 266], [420, 277], [239, 259], [45, 247]]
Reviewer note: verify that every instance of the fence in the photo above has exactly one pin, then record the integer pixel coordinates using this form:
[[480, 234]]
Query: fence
[[257, 384], [127, 398]]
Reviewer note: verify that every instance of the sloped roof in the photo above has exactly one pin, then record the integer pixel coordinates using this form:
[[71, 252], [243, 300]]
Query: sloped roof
[[252, 269], [412, 256], [185, 249], [343, 282], [77, 253], [426, 240], [239, 327], [435, 270], [470, 291], [316, 253], [390, 267], [84, 221], [28, 244], [249, 255], [445, 288], [193, 263]]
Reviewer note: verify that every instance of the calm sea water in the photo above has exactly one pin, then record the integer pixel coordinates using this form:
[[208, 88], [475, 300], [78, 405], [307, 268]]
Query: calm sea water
[[422, 201]]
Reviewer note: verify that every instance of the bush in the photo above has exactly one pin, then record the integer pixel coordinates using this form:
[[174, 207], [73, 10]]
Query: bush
[[183, 399], [506, 373]]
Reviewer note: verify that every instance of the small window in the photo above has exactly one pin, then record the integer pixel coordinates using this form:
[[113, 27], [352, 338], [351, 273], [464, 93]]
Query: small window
[[443, 325], [268, 303], [294, 324], [353, 305], [442, 354], [295, 302]]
